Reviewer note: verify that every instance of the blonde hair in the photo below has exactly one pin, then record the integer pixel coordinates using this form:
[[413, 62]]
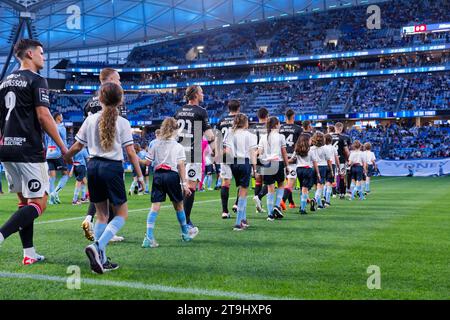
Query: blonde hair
[[106, 73], [318, 139], [110, 97], [168, 129], [356, 145]]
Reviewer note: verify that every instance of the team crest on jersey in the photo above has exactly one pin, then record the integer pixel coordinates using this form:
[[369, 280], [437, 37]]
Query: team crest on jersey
[[191, 173], [34, 185], [292, 172]]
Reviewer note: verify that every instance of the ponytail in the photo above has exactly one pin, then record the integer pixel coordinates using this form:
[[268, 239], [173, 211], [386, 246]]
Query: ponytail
[[110, 97]]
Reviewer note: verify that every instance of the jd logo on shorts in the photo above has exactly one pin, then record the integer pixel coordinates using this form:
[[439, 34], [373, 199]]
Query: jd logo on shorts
[[191, 173], [34, 185]]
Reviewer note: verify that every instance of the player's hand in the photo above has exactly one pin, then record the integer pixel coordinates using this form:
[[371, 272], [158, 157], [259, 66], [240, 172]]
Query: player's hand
[[187, 192], [67, 159], [141, 184], [64, 151]]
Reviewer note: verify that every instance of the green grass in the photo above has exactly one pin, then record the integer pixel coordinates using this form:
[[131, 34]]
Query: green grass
[[403, 228]]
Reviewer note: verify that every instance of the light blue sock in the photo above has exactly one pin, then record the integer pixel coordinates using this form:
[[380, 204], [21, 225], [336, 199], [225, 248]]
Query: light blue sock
[[111, 229], [328, 192], [355, 188], [219, 182], [133, 184], [146, 188], [151, 218], [368, 186], [75, 194], [181, 216], [270, 197], [209, 181], [99, 228], [242, 205], [62, 183], [83, 191], [361, 192], [303, 201], [318, 197], [52, 184], [280, 193]]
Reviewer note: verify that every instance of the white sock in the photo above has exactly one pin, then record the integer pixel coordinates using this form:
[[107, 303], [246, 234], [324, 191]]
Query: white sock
[[1, 238], [29, 252], [88, 218]]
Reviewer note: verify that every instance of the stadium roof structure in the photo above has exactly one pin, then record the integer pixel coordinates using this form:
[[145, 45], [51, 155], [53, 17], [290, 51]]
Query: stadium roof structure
[[71, 24]]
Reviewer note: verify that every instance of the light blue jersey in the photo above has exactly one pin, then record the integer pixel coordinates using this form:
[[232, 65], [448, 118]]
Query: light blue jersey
[[53, 151], [141, 154], [81, 158]]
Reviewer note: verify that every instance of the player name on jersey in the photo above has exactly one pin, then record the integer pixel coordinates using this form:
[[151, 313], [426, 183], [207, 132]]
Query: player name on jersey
[[192, 123], [20, 131], [291, 133]]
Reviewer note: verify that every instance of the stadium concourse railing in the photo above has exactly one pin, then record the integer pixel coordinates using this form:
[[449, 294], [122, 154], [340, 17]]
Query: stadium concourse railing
[[269, 61], [275, 78]]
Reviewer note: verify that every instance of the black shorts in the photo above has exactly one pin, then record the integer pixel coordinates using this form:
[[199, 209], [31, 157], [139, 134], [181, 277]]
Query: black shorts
[[273, 172], [329, 176], [357, 173], [217, 168], [166, 182], [242, 174], [79, 172], [323, 174], [105, 181], [144, 171], [370, 170], [209, 169], [305, 177], [56, 165]]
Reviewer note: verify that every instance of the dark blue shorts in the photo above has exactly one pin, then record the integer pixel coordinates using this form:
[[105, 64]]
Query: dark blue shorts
[[357, 173], [370, 170], [209, 169], [143, 170], [105, 181], [323, 174], [275, 175], [79, 172], [217, 168], [166, 182], [329, 177], [56, 165], [242, 174], [305, 177]]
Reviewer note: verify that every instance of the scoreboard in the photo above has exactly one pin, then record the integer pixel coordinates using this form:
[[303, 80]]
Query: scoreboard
[[426, 28]]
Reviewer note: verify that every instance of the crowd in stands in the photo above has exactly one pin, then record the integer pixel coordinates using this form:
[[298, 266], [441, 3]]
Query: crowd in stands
[[400, 61], [348, 95], [399, 142], [343, 29]]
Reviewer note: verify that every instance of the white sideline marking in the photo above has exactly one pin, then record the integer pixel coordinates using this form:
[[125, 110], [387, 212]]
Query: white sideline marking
[[143, 286], [134, 210]]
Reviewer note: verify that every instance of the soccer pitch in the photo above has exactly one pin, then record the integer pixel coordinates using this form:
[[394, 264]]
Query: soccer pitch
[[403, 228]]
